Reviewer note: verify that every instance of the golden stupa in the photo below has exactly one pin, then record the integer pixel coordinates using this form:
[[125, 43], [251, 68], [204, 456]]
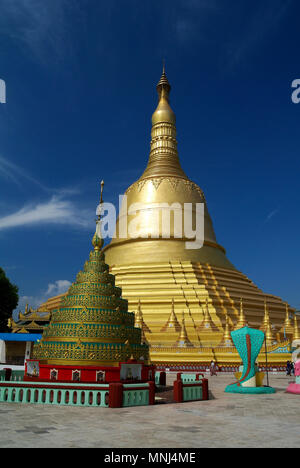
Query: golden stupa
[[164, 281], [161, 277]]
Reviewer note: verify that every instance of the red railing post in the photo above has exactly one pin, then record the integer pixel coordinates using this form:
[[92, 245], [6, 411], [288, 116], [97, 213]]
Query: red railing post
[[205, 395], [162, 378], [151, 393], [178, 391], [8, 373], [115, 395]]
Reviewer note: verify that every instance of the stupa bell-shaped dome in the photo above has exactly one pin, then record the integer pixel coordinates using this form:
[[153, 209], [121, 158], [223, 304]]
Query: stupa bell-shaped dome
[[143, 236]]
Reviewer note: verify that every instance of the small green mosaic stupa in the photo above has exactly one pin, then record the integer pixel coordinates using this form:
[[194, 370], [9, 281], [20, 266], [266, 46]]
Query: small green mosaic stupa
[[93, 326]]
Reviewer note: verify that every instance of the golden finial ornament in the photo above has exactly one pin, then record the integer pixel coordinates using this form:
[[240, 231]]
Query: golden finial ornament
[[164, 113], [163, 86], [97, 241], [296, 334], [227, 340], [242, 322], [269, 335], [183, 340], [139, 319], [172, 322], [266, 326], [207, 325], [139, 316], [266, 319], [287, 328]]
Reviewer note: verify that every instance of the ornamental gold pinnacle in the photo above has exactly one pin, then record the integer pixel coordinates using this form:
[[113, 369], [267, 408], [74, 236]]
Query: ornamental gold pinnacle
[[97, 239]]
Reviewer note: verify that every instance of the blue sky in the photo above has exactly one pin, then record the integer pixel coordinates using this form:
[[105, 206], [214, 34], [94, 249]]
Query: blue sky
[[80, 78]]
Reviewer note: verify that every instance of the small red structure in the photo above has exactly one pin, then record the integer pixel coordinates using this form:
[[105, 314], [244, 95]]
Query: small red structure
[[126, 372], [196, 390]]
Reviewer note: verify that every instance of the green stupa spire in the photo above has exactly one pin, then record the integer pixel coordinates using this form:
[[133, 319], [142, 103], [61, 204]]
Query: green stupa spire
[[92, 326]]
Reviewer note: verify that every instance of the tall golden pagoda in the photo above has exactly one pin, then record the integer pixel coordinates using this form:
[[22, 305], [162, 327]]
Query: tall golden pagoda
[[158, 270]]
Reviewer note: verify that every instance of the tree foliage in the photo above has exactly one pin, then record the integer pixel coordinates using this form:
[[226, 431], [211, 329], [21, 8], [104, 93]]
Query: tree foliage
[[9, 299]]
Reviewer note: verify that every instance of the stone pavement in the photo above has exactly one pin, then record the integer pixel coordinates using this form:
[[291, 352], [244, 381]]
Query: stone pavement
[[226, 420]]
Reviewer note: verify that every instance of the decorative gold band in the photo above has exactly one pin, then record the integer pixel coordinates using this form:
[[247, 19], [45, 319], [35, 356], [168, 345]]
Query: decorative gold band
[[184, 239]]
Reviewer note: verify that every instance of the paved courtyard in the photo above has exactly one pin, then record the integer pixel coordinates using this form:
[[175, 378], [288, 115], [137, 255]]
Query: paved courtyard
[[226, 420]]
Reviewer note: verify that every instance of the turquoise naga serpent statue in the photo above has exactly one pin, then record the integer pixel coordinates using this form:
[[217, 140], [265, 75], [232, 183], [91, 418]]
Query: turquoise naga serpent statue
[[248, 342]]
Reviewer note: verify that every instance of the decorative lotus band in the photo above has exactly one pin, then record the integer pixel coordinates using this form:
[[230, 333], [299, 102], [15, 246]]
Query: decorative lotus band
[[84, 314], [178, 221], [91, 352], [102, 332]]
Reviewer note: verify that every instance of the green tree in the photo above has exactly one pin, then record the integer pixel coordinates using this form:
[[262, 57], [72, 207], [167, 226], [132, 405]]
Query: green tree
[[9, 299]]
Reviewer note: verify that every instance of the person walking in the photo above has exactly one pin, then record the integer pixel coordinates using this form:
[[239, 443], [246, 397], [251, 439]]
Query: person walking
[[213, 368]]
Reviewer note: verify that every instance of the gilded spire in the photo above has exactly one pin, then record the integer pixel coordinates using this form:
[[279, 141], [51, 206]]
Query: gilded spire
[[183, 340], [163, 159], [227, 340], [163, 86], [266, 319], [242, 322], [97, 239], [296, 334], [139, 316], [207, 324], [287, 327], [139, 319], [163, 113], [269, 335], [266, 326], [139, 322], [172, 322]]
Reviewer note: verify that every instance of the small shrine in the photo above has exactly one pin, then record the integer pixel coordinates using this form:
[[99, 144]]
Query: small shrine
[[91, 337], [31, 321]]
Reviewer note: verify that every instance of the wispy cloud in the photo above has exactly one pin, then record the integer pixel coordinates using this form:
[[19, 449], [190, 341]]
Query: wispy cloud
[[53, 289], [40, 25], [56, 210], [58, 287], [271, 215], [262, 22], [17, 174]]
